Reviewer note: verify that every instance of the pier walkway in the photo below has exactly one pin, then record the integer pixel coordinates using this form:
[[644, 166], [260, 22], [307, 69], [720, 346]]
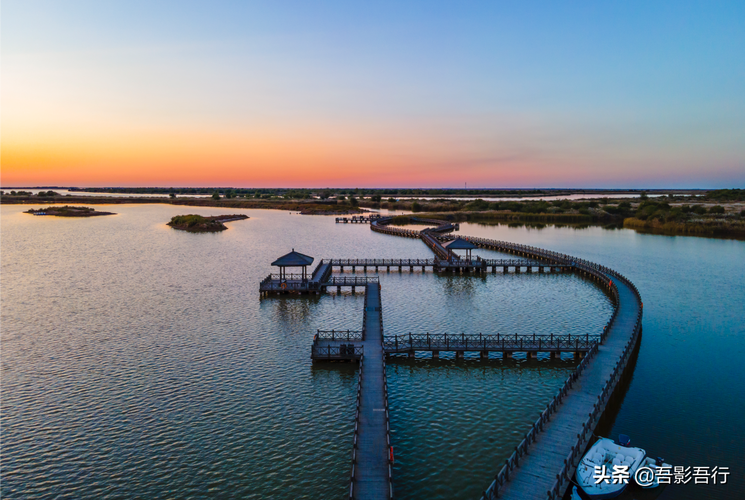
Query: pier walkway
[[371, 457], [478, 264], [358, 219], [484, 344], [545, 460], [371, 450], [543, 463]]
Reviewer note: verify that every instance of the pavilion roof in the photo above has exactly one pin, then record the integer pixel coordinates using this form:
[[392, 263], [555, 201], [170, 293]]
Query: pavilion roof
[[459, 244], [293, 259]]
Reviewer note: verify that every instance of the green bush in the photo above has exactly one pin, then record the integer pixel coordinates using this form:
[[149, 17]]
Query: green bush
[[716, 209], [216, 195], [477, 205], [190, 220], [611, 209], [726, 195]]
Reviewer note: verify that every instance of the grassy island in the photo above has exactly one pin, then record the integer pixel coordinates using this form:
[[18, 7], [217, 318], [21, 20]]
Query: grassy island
[[200, 224], [68, 211]]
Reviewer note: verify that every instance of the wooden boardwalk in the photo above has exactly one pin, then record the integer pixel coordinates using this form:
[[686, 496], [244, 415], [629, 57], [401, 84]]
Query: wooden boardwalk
[[371, 468], [536, 474], [358, 219], [438, 265], [543, 463]]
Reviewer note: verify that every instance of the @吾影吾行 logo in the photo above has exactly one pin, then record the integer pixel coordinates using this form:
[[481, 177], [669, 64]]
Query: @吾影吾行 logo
[[647, 476]]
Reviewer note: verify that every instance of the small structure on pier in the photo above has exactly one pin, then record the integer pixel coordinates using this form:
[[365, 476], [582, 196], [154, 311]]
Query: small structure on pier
[[295, 283], [460, 244], [293, 259]]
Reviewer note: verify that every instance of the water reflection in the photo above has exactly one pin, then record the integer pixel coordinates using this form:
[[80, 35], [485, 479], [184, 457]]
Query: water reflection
[[139, 361]]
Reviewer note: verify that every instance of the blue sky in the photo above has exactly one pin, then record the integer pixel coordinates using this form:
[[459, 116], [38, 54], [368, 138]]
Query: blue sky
[[632, 94]]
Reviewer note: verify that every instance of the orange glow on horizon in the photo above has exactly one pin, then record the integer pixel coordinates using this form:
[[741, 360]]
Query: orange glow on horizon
[[196, 158]]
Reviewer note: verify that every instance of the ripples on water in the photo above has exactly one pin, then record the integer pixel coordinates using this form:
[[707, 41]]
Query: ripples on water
[[138, 361]]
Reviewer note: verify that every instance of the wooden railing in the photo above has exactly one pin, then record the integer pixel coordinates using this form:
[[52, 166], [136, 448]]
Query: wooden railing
[[317, 271], [288, 277], [495, 342], [436, 246], [338, 352], [382, 262], [350, 280], [382, 226], [338, 335]]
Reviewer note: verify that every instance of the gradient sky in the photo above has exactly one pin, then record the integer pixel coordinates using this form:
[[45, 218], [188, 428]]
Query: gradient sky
[[373, 94]]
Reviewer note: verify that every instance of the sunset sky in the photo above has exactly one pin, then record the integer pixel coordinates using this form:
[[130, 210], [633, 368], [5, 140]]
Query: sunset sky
[[373, 94]]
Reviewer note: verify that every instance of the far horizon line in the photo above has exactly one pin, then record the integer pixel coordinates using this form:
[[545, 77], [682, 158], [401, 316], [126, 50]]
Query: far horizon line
[[602, 189]]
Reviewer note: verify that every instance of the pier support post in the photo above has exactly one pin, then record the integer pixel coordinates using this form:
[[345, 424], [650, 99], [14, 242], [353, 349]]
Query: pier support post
[[484, 354], [411, 354], [435, 354], [458, 354], [506, 355], [554, 354]]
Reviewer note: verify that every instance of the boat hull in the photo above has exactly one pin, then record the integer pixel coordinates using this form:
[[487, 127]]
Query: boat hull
[[605, 455]]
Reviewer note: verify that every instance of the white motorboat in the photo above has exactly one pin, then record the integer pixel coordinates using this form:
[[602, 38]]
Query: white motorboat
[[605, 455]]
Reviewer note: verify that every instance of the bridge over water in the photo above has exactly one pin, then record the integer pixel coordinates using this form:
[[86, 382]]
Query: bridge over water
[[545, 459]]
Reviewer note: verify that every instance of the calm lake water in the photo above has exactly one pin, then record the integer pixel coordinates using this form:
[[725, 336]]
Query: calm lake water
[[139, 361]]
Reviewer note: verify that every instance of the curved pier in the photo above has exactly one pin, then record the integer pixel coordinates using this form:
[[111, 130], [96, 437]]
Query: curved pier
[[544, 461]]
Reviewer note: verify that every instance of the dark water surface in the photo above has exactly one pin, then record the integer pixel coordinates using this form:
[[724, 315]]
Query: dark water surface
[[139, 361]]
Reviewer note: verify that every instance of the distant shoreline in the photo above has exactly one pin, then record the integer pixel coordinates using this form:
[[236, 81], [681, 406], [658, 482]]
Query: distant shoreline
[[718, 214]]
